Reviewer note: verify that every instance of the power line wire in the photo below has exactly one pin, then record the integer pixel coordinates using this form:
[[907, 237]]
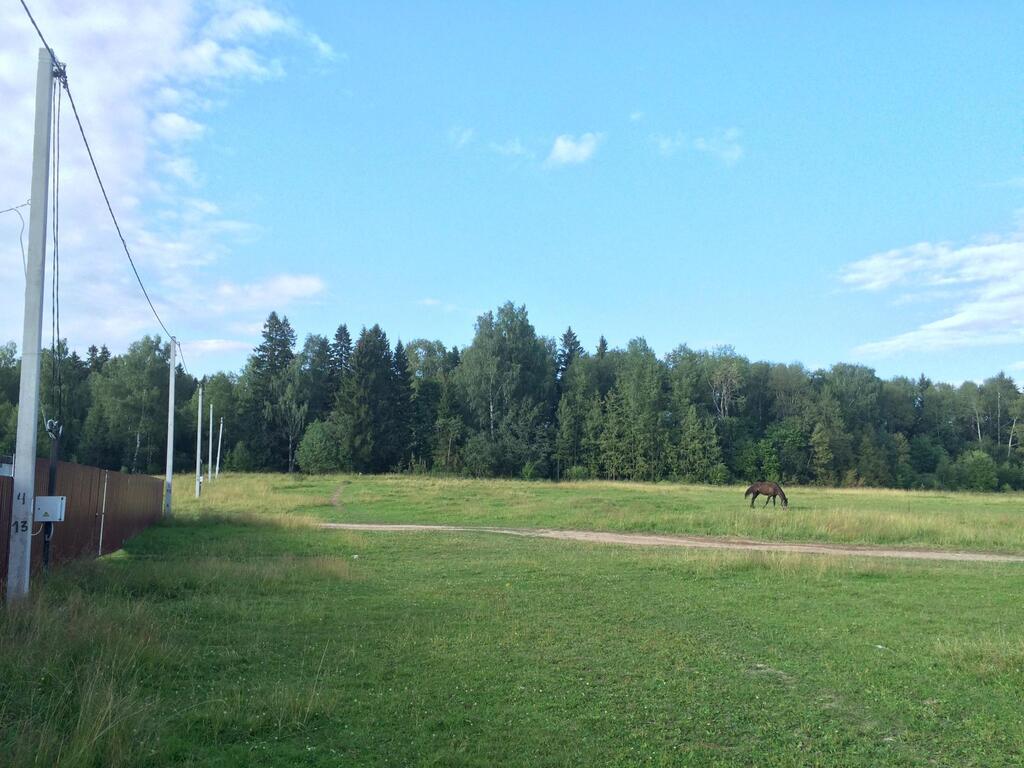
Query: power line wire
[[53, 56], [60, 72], [56, 353], [110, 209], [21, 235], [182, 353], [16, 207]]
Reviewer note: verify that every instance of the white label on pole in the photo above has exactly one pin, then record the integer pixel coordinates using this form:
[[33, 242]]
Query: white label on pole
[[50, 509]]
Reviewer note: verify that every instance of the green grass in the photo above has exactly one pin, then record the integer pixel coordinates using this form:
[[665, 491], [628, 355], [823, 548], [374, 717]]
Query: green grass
[[238, 635], [985, 522]]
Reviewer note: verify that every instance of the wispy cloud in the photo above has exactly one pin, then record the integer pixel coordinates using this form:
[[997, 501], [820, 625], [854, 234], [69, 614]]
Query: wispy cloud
[[669, 145], [460, 136], [236, 23], [175, 128], [511, 148], [724, 146], [980, 285], [1017, 182], [568, 150], [636, 117], [181, 168], [265, 295], [214, 347], [145, 123], [437, 304]]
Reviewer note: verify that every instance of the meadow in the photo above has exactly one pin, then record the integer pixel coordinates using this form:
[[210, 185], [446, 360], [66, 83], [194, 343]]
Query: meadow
[[240, 634], [951, 520]]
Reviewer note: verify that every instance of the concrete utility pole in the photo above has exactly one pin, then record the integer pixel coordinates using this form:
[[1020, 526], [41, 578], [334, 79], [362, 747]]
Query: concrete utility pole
[[199, 444], [170, 433], [220, 438], [28, 394], [209, 460]]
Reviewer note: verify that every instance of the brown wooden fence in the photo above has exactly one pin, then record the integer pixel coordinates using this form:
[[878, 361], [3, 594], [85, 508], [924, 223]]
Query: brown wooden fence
[[133, 502]]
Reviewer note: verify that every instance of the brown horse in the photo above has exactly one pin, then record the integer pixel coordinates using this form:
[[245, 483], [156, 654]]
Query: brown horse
[[769, 491]]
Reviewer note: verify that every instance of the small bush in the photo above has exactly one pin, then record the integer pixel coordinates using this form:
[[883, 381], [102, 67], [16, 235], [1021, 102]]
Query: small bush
[[577, 473], [481, 456], [976, 471], [318, 451], [239, 459]]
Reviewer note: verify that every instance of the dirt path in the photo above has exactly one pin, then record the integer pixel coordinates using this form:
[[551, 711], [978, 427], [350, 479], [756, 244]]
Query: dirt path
[[693, 542]]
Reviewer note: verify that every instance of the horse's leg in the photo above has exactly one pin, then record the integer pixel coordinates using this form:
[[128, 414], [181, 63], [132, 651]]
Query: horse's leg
[[754, 496], [773, 501], [766, 500]]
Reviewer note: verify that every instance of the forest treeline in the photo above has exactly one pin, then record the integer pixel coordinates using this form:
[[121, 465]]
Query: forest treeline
[[516, 404]]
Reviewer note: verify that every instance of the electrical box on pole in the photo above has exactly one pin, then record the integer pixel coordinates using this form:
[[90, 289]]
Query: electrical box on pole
[[22, 511]]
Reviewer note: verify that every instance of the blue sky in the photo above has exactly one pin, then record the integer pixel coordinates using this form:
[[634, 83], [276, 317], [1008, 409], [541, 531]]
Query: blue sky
[[804, 183]]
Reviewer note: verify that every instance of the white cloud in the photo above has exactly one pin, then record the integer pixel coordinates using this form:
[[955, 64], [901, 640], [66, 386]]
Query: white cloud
[[724, 145], [437, 304], [249, 21], [669, 145], [141, 73], [1016, 182], [260, 21], [183, 169], [172, 127], [200, 347], [979, 288], [253, 329], [210, 60], [636, 117], [322, 47], [460, 136], [568, 150], [265, 295], [511, 148]]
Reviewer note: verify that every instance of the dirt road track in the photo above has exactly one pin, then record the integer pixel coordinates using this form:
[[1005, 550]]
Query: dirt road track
[[692, 542]]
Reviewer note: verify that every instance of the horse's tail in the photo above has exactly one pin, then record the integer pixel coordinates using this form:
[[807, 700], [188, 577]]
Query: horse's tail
[[749, 491]]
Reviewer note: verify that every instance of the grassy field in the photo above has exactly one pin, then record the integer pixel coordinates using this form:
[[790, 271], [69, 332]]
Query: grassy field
[[990, 522], [240, 635]]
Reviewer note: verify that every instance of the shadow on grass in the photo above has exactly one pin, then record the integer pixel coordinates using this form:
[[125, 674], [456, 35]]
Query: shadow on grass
[[83, 650]]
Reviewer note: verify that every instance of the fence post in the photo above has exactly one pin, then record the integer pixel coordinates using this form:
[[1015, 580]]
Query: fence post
[[103, 512]]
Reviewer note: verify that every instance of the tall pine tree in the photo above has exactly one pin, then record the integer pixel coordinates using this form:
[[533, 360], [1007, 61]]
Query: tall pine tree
[[365, 402], [569, 351], [341, 356], [401, 409], [267, 365]]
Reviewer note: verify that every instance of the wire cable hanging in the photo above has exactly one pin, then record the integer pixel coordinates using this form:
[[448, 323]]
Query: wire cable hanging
[[21, 235], [60, 73], [56, 351]]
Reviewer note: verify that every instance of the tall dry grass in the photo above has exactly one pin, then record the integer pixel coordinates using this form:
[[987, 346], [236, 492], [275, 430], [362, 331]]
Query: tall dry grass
[[70, 670]]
